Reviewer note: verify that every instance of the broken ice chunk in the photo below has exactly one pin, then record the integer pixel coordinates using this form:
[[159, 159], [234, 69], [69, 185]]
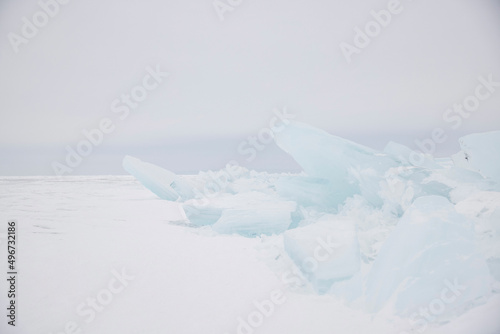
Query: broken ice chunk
[[266, 218], [480, 152], [425, 184], [202, 215], [310, 191], [247, 213], [163, 183], [338, 160], [407, 156], [326, 251], [484, 208], [431, 250]]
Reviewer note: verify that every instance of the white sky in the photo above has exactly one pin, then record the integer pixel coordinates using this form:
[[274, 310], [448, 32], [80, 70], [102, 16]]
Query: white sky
[[227, 76]]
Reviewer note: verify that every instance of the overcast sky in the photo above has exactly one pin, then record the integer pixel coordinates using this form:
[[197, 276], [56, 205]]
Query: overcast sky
[[226, 77]]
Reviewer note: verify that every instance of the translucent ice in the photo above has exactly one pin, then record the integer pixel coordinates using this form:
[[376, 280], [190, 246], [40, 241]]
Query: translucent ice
[[163, 183], [480, 152], [202, 215], [309, 191], [326, 251], [377, 229], [483, 207], [429, 261], [264, 218], [405, 155], [350, 167]]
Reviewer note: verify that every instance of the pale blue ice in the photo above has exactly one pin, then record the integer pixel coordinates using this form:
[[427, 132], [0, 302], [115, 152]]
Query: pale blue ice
[[481, 152], [432, 248], [403, 246]]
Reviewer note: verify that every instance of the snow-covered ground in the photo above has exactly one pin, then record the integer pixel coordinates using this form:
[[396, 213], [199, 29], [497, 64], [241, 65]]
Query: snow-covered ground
[[102, 254]]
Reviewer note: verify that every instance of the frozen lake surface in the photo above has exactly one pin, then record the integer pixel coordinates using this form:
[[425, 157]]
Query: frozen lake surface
[[102, 254]]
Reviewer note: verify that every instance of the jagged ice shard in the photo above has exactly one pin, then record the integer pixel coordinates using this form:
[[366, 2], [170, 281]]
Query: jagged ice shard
[[163, 183], [351, 168]]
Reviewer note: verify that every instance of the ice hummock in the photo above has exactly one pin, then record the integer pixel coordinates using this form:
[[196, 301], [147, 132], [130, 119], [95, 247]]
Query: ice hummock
[[399, 240]]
